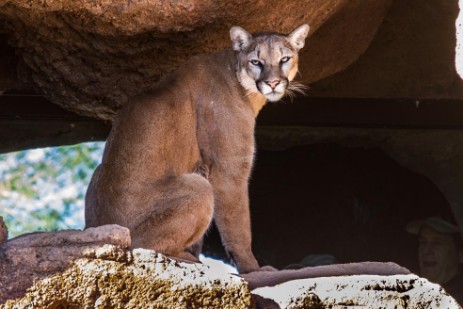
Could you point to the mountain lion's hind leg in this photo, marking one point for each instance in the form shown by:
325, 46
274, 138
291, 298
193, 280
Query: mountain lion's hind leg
180, 214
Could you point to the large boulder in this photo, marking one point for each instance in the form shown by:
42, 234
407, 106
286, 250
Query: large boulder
402, 291
90, 56
95, 268
34, 256
144, 279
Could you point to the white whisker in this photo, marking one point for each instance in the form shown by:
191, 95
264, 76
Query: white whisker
295, 88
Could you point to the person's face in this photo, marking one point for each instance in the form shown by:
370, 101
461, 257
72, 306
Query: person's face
438, 256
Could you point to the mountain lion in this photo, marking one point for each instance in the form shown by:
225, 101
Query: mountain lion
180, 153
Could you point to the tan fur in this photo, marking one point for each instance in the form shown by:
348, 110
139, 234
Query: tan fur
180, 154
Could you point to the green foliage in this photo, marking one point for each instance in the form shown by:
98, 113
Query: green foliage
44, 189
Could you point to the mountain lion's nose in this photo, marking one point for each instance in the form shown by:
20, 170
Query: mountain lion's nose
272, 83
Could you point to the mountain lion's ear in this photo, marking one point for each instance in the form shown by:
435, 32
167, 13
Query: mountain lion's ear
297, 37
240, 38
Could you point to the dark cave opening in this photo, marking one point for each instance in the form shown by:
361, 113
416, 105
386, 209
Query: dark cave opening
352, 203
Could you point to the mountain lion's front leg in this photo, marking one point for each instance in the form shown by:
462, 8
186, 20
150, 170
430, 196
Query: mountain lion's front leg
233, 221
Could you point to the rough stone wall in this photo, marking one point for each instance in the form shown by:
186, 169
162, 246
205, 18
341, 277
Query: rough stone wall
90, 56
412, 56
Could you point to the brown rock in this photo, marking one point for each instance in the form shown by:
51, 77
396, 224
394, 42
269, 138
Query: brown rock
94, 268
270, 278
147, 279
90, 56
411, 56
36, 255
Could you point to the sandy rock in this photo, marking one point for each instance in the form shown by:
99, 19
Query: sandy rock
36, 255
366, 291
95, 269
149, 280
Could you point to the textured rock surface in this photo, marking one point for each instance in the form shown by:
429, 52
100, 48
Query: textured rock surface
143, 280
403, 291
89, 56
95, 269
33, 256
411, 56
270, 278
121, 46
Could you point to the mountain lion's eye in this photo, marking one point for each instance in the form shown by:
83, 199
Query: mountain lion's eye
255, 62
284, 59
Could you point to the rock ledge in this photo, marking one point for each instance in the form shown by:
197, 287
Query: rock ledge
144, 279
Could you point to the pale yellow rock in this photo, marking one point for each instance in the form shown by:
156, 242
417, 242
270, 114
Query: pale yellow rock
149, 281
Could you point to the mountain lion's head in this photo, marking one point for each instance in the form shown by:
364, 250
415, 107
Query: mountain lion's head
267, 63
